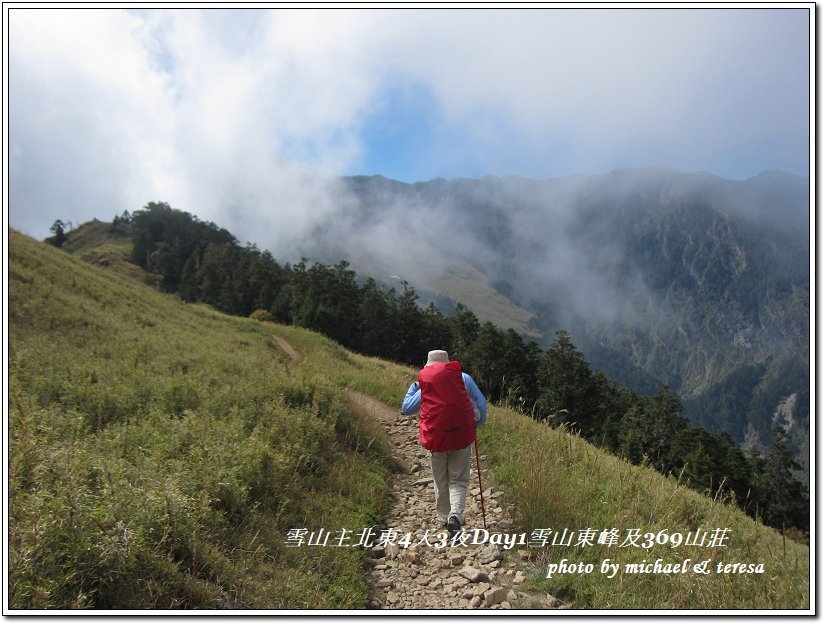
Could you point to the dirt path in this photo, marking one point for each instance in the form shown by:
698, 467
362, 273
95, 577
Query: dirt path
414, 567
284, 344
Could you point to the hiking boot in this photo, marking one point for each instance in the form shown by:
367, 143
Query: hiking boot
453, 524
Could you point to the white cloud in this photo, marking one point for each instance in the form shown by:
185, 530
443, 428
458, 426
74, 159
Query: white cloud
110, 109
84, 121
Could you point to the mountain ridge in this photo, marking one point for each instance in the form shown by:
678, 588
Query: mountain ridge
660, 276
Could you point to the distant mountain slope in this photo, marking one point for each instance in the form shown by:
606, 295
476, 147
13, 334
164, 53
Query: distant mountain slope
661, 277
384, 235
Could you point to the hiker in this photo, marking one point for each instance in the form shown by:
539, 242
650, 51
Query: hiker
451, 407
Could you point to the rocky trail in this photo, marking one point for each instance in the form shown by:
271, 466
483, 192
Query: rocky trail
422, 570
412, 563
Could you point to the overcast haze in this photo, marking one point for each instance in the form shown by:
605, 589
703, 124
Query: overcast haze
244, 116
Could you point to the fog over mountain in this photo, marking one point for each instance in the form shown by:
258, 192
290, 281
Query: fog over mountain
661, 277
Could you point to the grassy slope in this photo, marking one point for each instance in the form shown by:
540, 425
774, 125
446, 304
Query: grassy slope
106, 245
160, 452
560, 481
460, 282
466, 284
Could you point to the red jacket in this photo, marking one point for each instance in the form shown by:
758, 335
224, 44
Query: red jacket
447, 419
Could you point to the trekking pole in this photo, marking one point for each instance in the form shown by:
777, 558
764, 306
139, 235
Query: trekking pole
480, 483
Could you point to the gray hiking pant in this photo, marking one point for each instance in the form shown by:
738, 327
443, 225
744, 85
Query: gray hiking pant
450, 471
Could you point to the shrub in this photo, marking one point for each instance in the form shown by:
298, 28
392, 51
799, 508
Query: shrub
262, 315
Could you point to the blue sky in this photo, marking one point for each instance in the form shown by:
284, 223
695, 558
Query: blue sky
234, 115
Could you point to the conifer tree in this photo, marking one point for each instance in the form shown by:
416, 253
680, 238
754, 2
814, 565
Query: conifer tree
59, 234
565, 378
781, 496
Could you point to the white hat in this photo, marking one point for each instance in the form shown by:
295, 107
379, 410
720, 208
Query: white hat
437, 356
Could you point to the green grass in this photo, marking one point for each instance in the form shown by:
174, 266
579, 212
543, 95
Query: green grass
105, 245
159, 453
559, 481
